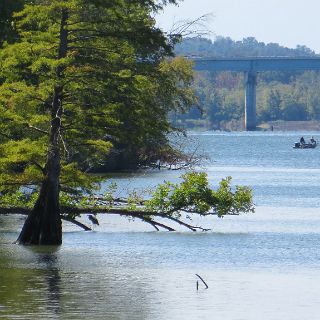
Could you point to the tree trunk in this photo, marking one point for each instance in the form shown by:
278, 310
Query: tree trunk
43, 225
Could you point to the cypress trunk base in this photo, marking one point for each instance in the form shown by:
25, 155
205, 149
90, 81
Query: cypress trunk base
43, 225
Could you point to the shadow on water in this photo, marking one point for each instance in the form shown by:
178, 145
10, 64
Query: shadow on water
47, 257
29, 282
67, 282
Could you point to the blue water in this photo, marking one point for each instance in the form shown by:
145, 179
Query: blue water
258, 266
279, 174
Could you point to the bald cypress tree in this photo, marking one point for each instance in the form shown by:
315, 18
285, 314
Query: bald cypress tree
59, 96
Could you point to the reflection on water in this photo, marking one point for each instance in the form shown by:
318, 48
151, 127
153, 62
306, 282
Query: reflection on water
43, 283
149, 275
46, 256
263, 266
28, 292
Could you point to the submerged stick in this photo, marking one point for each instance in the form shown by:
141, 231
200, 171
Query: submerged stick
202, 281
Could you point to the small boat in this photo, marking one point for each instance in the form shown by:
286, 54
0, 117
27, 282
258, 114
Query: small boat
299, 145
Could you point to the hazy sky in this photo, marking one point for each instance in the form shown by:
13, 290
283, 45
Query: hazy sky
287, 22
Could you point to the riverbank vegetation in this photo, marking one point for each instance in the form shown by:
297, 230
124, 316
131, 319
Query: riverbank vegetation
286, 96
83, 81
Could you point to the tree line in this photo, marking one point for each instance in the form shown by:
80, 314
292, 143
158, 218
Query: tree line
285, 96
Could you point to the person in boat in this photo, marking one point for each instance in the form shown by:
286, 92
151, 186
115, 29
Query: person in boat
312, 140
302, 141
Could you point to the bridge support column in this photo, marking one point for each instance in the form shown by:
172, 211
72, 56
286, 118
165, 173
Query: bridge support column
250, 101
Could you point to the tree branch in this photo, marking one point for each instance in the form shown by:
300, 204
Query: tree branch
196, 27
26, 211
66, 151
37, 129
78, 223
189, 226
142, 215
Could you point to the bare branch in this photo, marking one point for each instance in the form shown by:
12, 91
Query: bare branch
191, 227
156, 224
179, 157
66, 151
36, 129
152, 223
26, 211
79, 224
202, 281
142, 215
191, 28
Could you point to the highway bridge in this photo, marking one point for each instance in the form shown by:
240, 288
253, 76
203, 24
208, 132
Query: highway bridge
251, 67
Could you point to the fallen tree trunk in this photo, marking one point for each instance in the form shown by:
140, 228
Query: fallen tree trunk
147, 217
25, 211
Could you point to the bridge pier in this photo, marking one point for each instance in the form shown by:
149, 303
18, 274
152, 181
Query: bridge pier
250, 101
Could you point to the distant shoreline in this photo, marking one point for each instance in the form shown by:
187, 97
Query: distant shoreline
291, 125
237, 125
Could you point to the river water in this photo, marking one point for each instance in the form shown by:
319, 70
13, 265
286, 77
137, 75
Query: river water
264, 265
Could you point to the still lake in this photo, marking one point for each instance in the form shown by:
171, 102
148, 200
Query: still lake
262, 266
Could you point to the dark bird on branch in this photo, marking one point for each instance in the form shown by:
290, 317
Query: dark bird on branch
93, 219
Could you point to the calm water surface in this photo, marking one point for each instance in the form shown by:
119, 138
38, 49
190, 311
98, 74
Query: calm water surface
259, 266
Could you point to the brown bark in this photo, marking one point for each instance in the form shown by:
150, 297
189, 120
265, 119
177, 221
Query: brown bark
43, 225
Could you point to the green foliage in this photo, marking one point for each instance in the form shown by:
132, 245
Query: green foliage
194, 195
18, 199
172, 201
143, 120
116, 87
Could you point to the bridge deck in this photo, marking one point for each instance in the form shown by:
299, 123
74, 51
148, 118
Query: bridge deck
257, 64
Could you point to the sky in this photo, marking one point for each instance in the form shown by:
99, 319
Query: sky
287, 22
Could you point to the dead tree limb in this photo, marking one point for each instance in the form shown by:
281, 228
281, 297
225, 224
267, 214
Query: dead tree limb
142, 215
37, 129
26, 211
202, 281
77, 223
